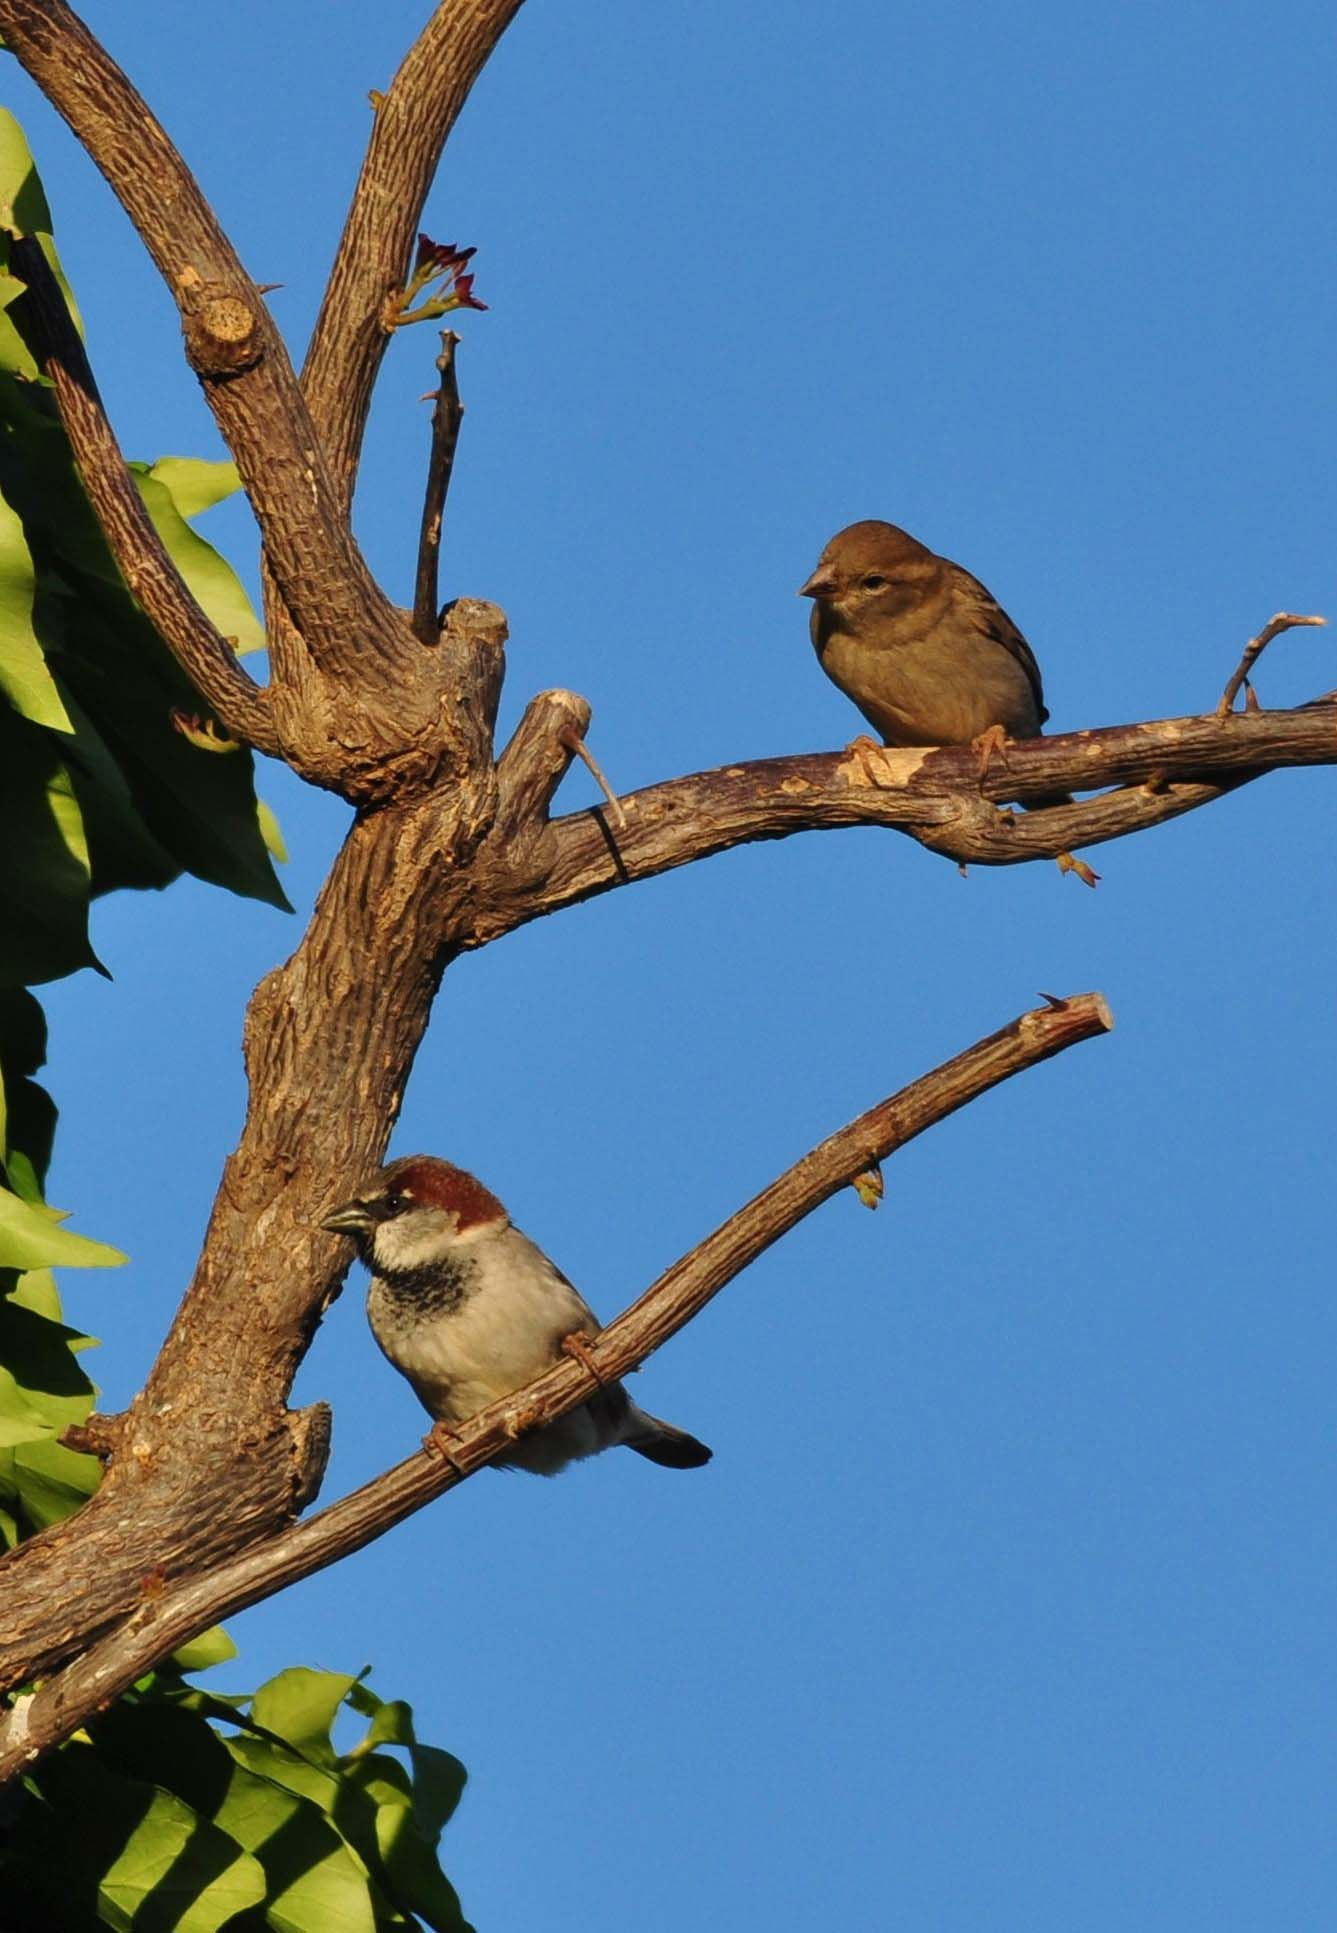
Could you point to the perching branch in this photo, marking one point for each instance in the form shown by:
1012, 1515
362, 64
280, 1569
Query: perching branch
413, 119
43, 1718
447, 415
1159, 770
199, 648
347, 623
1254, 649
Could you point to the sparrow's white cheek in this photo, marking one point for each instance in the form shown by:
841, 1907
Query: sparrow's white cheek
414, 1240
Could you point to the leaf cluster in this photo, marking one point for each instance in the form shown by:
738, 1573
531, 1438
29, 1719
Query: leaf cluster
186, 1810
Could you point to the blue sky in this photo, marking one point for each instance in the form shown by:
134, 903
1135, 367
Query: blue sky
1008, 1598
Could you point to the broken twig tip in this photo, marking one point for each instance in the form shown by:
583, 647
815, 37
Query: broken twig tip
1253, 650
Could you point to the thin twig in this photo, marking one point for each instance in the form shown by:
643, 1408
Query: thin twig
43, 1718
201, 650
447, 415
1254, 649
576, 744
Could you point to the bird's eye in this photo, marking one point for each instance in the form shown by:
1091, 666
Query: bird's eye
395, 1202
875, 583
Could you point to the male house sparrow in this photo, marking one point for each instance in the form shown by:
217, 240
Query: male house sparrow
469, 1309
928, 656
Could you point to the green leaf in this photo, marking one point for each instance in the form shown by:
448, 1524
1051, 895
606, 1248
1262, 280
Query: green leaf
121, 849
216, 587
40, 1480
212, 1647
23, 211
24, 678
31, 1239
44, 1483
375, 1812
153, 1860
196, 484
36, 1290
44, 867
271, 832
116, 676
300, 1705
439, 1779
272, 1758
42, 1388
23, 207
346, 1844
312, 1881
27, 1112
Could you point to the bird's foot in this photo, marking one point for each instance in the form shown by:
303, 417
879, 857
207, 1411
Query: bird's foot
1066, 863
442, 1441
867, 756
578, 1345
992, 743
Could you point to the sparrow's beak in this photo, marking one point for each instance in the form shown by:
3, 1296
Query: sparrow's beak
354, 1218
820, 584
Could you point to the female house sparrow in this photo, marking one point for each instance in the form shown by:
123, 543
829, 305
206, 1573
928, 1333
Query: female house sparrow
921, 647
469, 1309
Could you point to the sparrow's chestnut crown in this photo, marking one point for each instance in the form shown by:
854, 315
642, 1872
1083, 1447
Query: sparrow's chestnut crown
416, 1181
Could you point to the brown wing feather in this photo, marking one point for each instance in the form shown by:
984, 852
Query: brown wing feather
995, 623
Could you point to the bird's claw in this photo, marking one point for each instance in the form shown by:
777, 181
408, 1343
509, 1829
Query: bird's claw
1067, 863
867, 756
442, 1441
578, 1346
991, 743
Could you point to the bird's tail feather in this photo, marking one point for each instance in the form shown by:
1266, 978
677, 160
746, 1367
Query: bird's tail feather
662, 1443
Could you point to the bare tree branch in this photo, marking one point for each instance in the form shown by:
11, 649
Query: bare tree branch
345, 620
203, 653
447, 415
1160, 770
43, 1718
1254, 649
413, 120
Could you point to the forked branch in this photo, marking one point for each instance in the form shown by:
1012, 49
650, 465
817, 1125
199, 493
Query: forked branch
41, 1719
